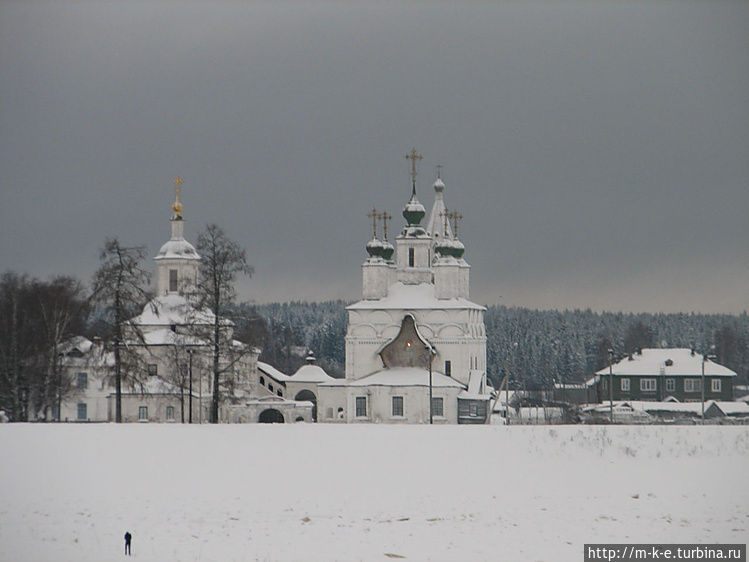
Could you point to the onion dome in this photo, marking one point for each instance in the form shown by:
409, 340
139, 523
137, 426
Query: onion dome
439, 186
458, 248
444, 247
375, 248
387, 251
414, 211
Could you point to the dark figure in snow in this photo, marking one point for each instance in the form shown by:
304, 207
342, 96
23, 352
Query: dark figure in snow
128, 537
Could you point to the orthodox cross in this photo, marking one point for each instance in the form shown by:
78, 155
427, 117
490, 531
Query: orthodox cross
414, 157
385, 218
177, 207
446, 215
374, 215
439, 171
455, 216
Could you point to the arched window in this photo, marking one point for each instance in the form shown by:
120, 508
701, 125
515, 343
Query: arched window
262, 380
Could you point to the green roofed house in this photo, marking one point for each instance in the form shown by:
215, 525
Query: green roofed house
660, 374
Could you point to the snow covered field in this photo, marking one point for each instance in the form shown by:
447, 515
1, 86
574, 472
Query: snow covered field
335, 492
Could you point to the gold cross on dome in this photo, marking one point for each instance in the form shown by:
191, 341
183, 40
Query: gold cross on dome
385, 218
414, 157
374, 215
456, 217
177, 206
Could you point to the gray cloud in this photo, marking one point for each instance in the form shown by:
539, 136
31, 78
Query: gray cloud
598, 151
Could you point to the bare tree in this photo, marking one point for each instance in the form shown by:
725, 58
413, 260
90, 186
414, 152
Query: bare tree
120, 284
62, 308
222, 260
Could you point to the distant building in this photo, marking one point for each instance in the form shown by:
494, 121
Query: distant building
167, 375
658, 374
414, 333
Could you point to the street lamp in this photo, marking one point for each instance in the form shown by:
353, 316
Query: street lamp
611, 385
189, 399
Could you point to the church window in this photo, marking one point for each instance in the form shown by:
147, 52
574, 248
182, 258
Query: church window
143, 413
270, 387
170, 413
448, 368
82, 411
82, 381
397, 406
411, 257
262, 380
172, 280
153, 369
438, 407
361, 406
279, 392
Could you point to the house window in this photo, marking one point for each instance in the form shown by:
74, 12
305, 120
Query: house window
153, 369
715, 385
692, 385
625, 385
361, 406
647, 385
143, 413
670, 385
438, 407
397, 406
411, 257
473, 410
448, 368
172, 280
82, 382
170, 413
82, 411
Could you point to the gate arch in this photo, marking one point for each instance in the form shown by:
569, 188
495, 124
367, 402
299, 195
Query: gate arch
271, 415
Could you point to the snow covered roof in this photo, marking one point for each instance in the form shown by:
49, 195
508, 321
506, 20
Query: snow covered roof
669, 362
272, 372
174, 309
733, 408
165, 336
177, 248
401, 376
311, 373
413, 297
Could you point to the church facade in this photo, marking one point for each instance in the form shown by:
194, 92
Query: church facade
415, 343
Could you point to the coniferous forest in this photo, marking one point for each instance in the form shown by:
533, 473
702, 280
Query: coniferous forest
534, 347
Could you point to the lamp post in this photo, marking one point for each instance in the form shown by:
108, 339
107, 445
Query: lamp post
611, 385
702, 385
431, 405
189, 399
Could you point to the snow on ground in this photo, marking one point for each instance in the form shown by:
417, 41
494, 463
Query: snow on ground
353, 492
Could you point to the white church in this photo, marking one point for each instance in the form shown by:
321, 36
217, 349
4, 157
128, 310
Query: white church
415, 343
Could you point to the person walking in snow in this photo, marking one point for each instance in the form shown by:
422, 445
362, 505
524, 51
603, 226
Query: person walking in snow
128, 538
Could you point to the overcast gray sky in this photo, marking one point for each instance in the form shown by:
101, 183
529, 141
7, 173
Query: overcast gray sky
598, 151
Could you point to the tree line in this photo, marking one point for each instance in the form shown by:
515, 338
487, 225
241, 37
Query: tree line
533, 348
